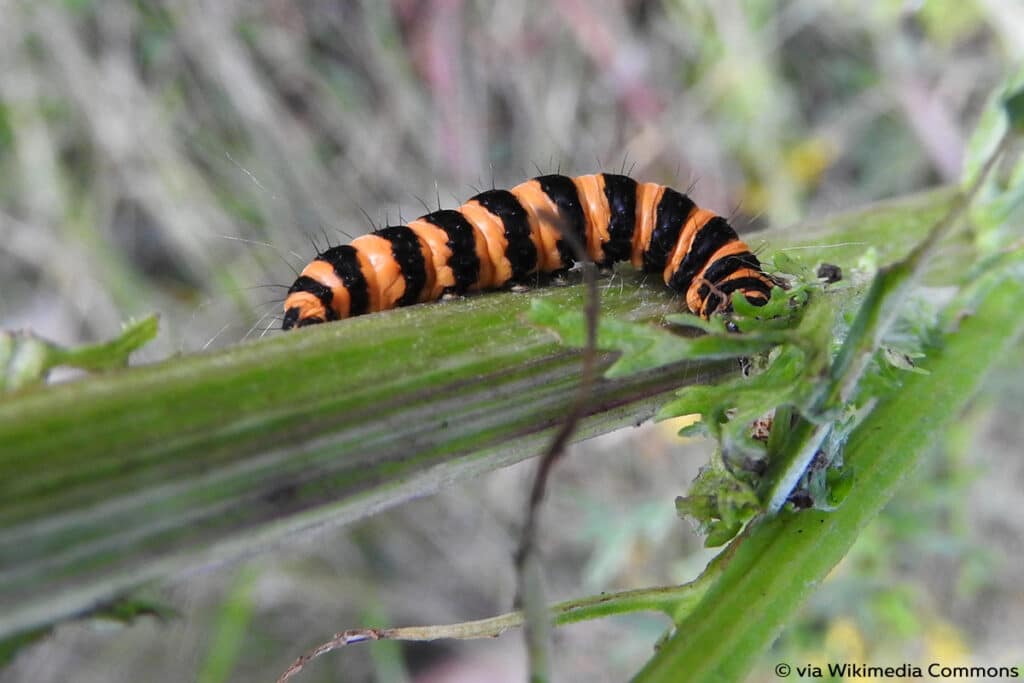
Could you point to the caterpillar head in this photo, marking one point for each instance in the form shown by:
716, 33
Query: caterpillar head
308, 303
331, 287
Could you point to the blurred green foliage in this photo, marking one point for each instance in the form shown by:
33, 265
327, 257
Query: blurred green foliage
228, 637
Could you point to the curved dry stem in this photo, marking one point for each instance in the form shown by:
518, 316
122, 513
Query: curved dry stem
468, 630
528, 569
673, 601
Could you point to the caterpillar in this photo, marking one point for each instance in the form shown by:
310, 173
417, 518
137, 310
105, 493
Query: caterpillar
502, 236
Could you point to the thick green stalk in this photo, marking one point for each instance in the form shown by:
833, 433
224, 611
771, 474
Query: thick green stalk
124, 477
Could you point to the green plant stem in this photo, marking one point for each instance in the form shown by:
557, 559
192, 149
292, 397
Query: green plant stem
779, 560
120, 478
881, 306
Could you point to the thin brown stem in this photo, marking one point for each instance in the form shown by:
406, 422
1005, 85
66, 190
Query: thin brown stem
528, 572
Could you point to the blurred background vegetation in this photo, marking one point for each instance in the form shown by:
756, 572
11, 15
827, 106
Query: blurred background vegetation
178, 156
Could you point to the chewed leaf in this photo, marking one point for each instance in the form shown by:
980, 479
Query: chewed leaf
780, 312
719, 503
784, 263
114, 353
646, 346
745, 397
25, 358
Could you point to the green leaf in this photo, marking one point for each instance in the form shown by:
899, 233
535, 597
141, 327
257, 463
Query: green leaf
26, 359
775, 564
720, 503
645, 346
112, 354
748, 398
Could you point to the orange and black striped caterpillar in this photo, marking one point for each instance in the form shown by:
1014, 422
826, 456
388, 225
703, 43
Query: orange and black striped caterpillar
503, 236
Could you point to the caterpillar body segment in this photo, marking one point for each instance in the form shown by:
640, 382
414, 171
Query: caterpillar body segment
503, 236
